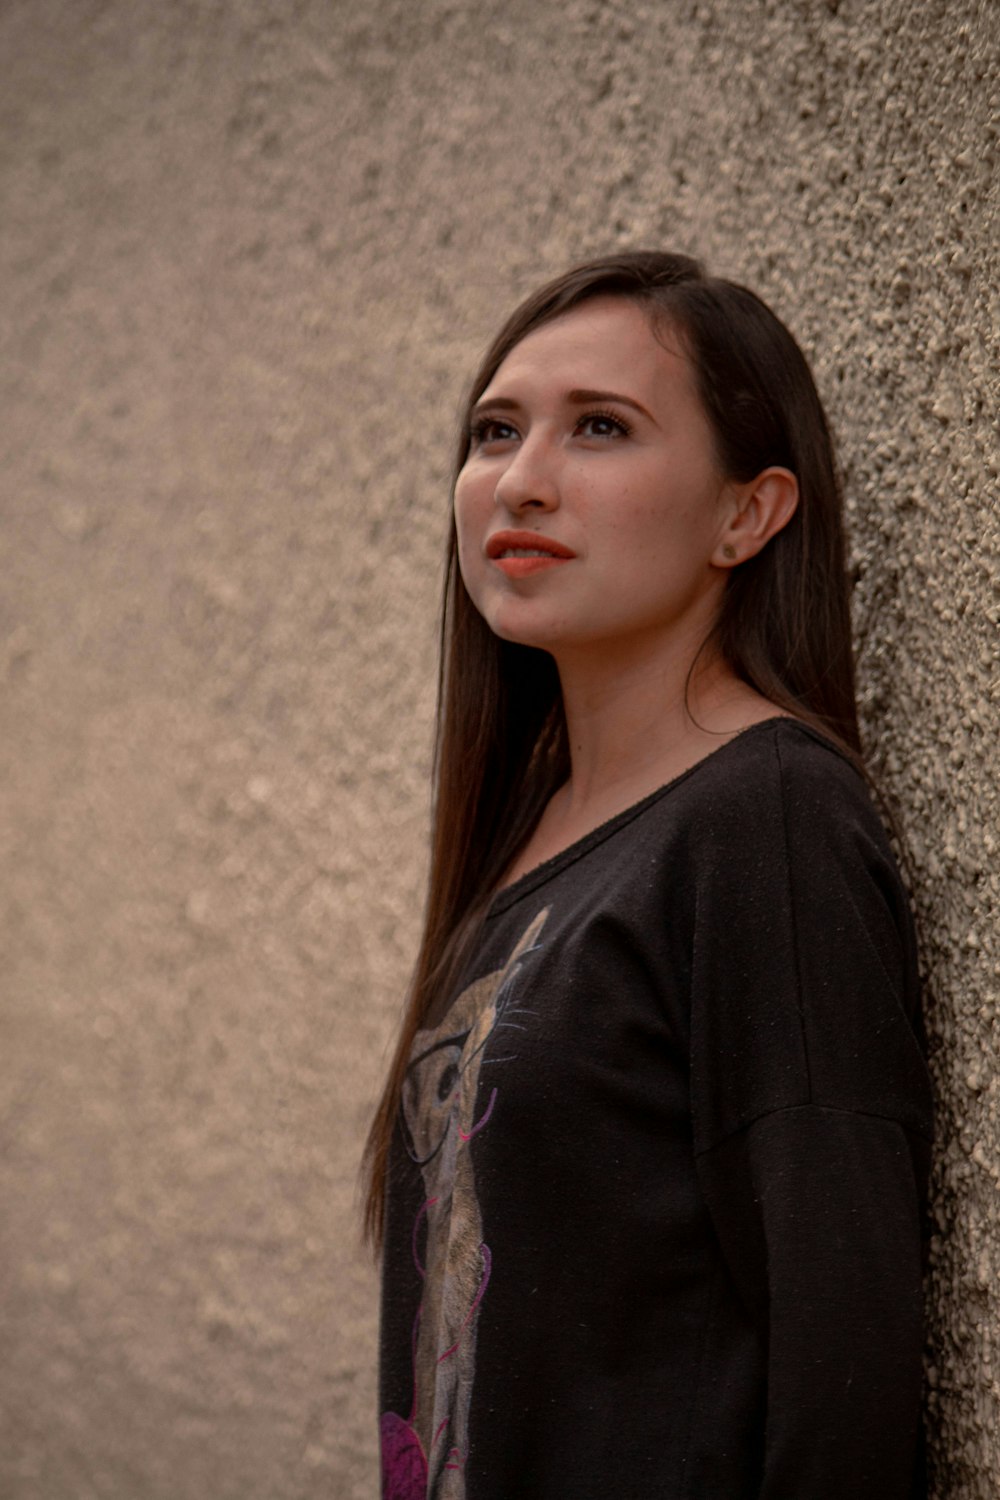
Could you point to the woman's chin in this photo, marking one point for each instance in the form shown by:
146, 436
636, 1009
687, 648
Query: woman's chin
525, 628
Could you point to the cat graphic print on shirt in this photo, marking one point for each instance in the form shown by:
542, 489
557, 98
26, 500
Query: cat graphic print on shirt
423, 1456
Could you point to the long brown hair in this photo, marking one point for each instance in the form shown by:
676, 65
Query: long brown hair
783, 627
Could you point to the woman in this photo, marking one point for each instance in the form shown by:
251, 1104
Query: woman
650, 1160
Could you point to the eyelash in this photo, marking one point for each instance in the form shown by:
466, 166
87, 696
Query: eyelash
479, 429
600, 415
481, 426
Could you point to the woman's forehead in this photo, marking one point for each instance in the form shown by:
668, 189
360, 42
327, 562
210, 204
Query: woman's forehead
605, 342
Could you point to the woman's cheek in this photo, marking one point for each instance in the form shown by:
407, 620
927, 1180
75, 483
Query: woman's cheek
471, 561
473, 512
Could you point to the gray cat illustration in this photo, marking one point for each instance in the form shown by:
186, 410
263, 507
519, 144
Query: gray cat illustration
425, 1457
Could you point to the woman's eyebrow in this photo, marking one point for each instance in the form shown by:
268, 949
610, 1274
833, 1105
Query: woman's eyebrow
575, 398
495, 403
584, 398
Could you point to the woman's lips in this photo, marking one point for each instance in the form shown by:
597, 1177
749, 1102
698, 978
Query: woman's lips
519, 565
520, 553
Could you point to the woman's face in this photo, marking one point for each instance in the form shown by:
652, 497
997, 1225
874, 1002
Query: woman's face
590, 446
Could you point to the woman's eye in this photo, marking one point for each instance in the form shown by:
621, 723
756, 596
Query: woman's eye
602, 424
492, 430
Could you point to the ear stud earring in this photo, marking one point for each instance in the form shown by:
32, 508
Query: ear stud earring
728, 550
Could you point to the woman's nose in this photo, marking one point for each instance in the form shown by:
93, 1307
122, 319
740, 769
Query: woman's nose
529, 481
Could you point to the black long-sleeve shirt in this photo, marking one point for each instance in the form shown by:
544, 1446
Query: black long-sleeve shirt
655, 1199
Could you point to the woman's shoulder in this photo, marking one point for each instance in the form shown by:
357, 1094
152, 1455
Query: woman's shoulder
783, 741
784, 792
775, 789
780, 759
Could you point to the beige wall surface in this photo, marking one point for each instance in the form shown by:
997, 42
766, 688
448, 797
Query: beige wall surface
249, 251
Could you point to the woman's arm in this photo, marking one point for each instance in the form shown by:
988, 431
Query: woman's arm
818, 1214
812, 1117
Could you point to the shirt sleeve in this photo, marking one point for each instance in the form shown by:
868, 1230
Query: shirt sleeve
811, 1109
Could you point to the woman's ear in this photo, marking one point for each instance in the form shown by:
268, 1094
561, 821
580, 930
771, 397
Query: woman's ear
758, 511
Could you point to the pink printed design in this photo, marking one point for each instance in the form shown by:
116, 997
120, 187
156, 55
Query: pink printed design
424, 1458
404, 1467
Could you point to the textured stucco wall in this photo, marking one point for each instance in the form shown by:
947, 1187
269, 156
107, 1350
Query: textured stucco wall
249, 251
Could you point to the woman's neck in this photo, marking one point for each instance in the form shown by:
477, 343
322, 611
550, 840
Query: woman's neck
632, 727
637, 723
